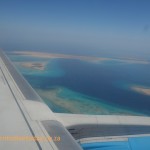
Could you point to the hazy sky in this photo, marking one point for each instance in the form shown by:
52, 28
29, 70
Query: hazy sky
76, 26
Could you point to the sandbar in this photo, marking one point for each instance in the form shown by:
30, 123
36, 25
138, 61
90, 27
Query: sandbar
142, 90
87, 58
55, 55
33, 65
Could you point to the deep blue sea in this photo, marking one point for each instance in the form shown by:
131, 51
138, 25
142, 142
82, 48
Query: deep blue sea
105, 82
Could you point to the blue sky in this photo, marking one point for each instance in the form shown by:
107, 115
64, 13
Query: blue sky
103, 27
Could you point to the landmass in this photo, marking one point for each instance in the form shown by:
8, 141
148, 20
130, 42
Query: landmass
142, 90
86, 58
52, 55
34, 65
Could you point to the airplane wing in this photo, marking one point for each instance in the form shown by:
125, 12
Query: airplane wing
26, 122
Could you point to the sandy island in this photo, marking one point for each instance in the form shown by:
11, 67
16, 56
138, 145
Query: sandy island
34, 65
50, 55
142, 90
87, 58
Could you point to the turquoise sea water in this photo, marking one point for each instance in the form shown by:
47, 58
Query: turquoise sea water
77, 86
135, 143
